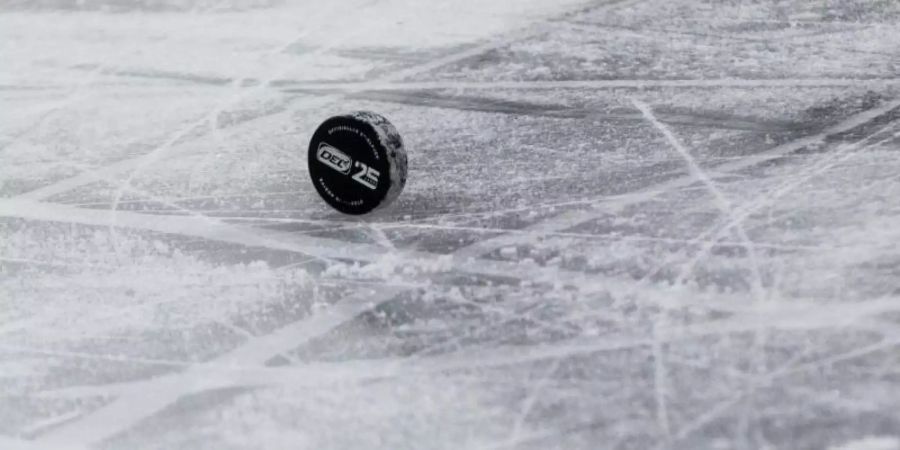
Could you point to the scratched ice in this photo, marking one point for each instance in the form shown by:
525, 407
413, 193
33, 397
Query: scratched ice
629, 224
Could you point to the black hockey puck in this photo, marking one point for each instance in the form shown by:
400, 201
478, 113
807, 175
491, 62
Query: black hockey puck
357, 162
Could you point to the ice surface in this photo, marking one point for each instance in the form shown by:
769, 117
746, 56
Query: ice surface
638, 224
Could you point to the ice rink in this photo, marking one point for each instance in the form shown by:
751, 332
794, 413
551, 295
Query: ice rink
629, 224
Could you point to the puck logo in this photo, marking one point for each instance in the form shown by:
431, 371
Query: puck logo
334, 158
367, 176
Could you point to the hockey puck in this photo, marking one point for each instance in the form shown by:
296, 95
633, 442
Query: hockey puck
357, 162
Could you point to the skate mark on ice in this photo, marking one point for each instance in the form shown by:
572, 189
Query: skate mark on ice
333, 225
74, 95
183, 77
321, 248
530, 31
710, 236
134, 405
110, 170
725, 207
713, 234
723, 204
381, 85
135, 165
175, 200
515, 435
194, 226
843, 153
700, 119
614, 204
661, 391
215, 375
212, 116
97, 356
789, 368
873, 308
